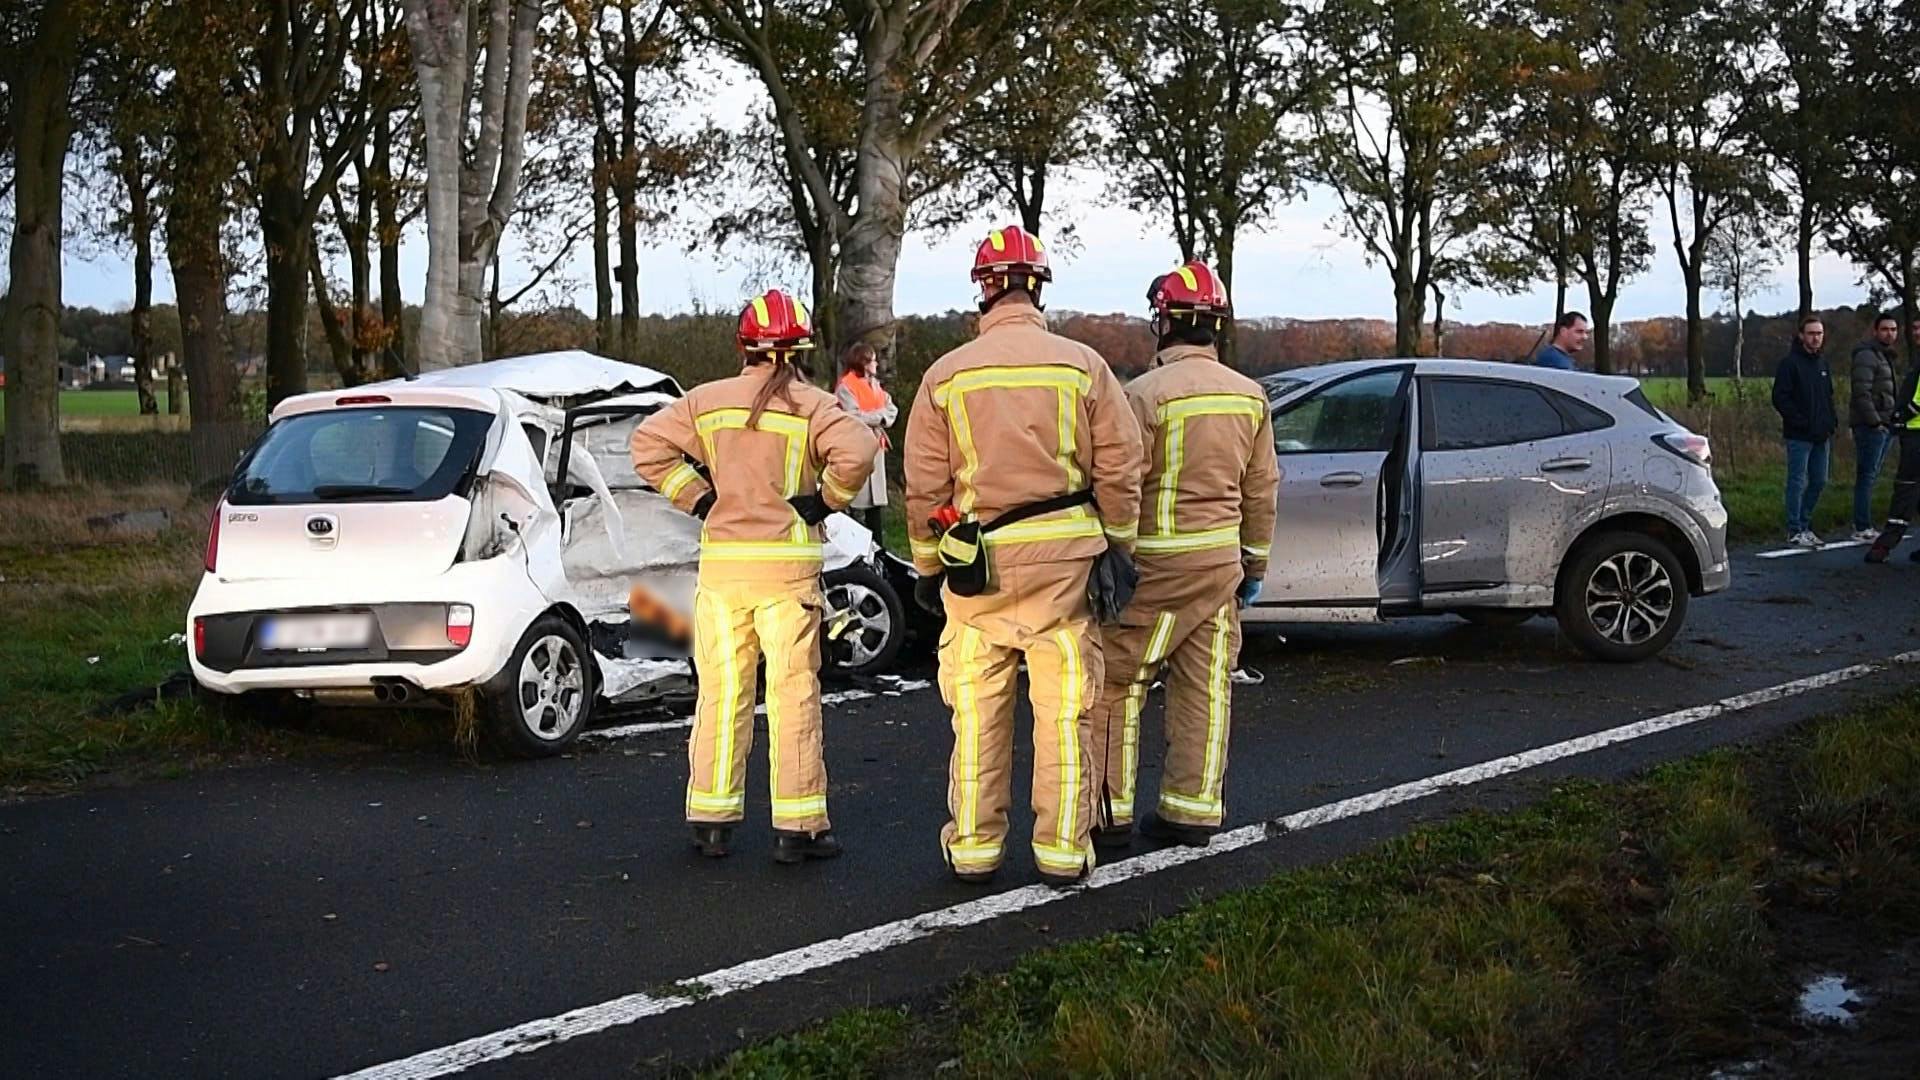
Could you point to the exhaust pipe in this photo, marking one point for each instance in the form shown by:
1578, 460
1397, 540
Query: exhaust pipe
395, 692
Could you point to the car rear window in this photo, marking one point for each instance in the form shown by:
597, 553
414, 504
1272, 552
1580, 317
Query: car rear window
1638, 396
1467, 414
405, 454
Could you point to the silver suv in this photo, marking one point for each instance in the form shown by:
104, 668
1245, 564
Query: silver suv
1490, 491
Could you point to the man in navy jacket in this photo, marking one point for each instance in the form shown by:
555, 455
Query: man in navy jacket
1803, 396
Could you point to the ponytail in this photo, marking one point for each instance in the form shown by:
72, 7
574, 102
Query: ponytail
779, 383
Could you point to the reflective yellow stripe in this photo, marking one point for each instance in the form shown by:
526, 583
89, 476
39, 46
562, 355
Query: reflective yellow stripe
748, 551
963, 494
1042, 376
1186, 275
966, 709
840, 495
1067, 725
778, 423
760, 311
1214, 405
928, 550
1219, 704
677, 480
803, 807
1157, 645
1126, 534
1069, 417
998, 239
716, 804
1186, 805
1025, 532
1063, 857
974, 856
1225, 536
1256, 551
1174, 416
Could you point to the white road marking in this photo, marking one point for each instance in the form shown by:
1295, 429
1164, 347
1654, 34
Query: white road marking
536, 1034
626, 731
1788, 553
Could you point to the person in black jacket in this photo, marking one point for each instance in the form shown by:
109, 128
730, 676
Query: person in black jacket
1906, 482
1803, 396
1870, 411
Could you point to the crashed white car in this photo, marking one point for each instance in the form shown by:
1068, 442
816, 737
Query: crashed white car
479, 530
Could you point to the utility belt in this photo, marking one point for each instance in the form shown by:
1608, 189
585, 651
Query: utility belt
963, 557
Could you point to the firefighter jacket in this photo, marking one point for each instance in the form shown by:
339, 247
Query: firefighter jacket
1211, 476
804, 443
1013, 417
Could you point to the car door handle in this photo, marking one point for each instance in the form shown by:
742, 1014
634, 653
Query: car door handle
1342, 480
1567, 464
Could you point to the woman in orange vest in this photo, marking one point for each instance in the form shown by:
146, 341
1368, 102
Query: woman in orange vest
861, 395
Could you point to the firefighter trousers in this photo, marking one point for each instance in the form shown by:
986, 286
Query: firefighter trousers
1038, 611
1906, 492
1185, 619
734, 625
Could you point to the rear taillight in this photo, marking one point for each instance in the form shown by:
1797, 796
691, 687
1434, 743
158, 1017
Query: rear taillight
213, 536
200, 638
364, 399
1694, 448
459, 625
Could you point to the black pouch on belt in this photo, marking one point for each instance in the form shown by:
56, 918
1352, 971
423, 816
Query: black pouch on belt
964, 556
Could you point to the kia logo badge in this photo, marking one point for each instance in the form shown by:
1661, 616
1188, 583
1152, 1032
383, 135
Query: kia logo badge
320, 527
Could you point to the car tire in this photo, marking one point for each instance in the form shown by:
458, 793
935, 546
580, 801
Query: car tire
872, 642
1612, 592
543, 699
1495, 618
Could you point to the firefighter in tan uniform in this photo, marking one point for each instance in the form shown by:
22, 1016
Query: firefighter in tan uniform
1206, 523
780, 455
1014, 419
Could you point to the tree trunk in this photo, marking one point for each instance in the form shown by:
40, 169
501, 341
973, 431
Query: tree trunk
1739, 328
387, 206
1224, 255
1803, 252
603, 333
331, 324
176, 381
140, 224
287, 240
42, 127
1406, 313
438, 34
629, 269
870, 254
1602, 328
1033, 203
200, 289
1696, 336
1439, 321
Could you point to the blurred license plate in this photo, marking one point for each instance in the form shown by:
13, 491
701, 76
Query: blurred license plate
291, 632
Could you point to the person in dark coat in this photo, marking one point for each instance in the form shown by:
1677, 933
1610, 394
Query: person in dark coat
1803, 396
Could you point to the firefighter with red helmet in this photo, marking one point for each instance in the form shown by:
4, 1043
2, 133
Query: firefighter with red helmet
778, 456
1206, 524
1020, 446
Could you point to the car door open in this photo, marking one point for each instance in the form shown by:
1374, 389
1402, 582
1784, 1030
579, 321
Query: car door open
1334, 445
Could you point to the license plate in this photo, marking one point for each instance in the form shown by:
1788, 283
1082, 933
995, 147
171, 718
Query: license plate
315, 632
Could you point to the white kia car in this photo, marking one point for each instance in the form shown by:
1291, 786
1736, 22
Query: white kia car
478, 533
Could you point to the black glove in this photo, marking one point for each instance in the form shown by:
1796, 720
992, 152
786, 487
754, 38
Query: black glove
703, 506
926, 593
812, 508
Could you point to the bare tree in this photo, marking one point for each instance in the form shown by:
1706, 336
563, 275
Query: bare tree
1741, 259
475, 79
38, 57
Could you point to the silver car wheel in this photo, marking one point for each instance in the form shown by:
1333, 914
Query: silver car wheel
552, 689
869, 623
1629, 597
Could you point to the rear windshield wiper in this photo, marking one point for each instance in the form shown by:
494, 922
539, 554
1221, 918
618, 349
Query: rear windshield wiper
356, 491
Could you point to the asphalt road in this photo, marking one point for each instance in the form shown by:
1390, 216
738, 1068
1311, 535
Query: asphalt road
317, 918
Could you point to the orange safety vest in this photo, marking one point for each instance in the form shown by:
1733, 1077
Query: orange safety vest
869, 397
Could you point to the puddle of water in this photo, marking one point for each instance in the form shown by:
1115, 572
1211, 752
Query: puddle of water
1741, 1070
1827, 999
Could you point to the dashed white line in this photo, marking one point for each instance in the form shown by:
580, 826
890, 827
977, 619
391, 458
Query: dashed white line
838, 697
536, 1034
1788, 553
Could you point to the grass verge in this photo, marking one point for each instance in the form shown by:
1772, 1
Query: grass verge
1646, 926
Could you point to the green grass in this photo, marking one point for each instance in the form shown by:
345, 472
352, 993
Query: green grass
1642, 922
95, 403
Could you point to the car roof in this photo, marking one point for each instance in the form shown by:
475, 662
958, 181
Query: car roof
1575, 381
570, 373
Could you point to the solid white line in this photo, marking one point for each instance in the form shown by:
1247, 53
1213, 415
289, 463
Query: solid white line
536, 1034
838, 697
1788, 553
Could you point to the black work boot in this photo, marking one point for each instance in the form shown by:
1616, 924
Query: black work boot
798, 847
1113, 836
712, 840
1173, 832
1878, 554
